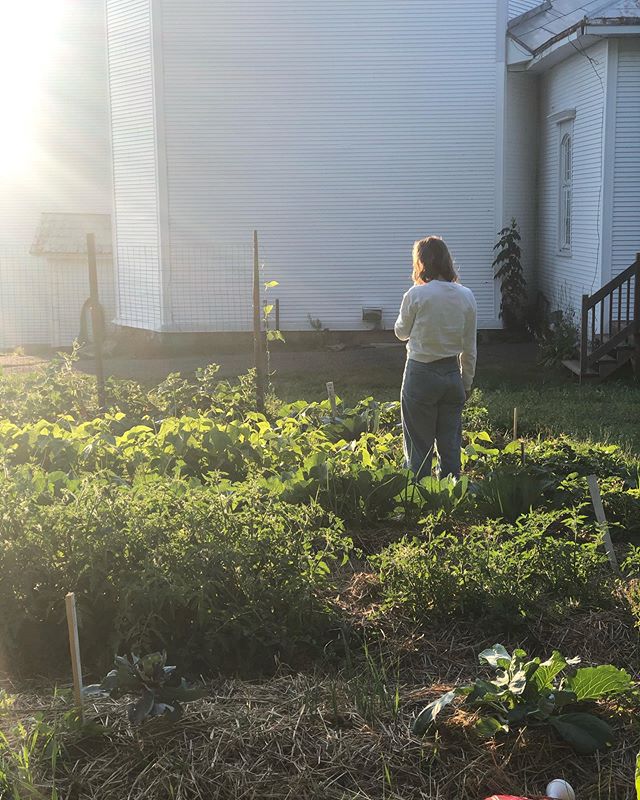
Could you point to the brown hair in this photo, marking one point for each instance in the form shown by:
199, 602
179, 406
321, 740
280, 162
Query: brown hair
432, 260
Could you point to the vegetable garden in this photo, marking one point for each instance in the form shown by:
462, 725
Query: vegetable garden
334, 609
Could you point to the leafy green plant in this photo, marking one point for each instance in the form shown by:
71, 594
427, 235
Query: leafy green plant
509, 493
442, 495
558, 339
226, 581
160, 691
497, 571
508, 270
526, 691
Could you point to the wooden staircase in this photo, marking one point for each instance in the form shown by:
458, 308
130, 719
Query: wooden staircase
610, 328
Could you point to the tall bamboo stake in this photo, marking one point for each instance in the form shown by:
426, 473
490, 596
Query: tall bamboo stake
257, 328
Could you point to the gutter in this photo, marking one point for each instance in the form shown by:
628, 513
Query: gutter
598, 26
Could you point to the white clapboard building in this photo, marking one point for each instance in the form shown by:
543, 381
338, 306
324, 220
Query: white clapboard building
342, 130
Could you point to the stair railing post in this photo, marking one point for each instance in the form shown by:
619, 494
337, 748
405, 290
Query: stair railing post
584, 334
636, 318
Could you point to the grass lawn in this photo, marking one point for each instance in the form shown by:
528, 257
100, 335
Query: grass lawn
549, 401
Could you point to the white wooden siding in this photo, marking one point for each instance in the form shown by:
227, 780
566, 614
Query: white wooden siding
521, 166
517, 7
133, 133
342, 132
626, 182
577, 83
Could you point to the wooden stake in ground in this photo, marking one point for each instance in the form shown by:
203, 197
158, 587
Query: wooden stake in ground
515, 423
74, 648
97, 321
331, 392
258, 355
596, 499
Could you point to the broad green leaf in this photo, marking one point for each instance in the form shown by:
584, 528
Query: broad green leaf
271, 284
544, 676
488, 727
586, 733
591, 683
141, 709
495, 656
638, 776
484, 691
429, 713
518, 683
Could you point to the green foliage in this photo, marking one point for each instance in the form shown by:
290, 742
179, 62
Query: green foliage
526, 691
224, 583
558, 339
498, 571
508, 270
160, 691
509, 493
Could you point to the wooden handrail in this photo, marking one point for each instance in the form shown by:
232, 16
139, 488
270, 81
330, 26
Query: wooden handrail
613, 284
631, 278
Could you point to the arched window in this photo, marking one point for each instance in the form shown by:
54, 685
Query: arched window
566, 191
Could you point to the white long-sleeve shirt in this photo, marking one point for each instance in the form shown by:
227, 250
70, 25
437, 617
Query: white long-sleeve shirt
438, 320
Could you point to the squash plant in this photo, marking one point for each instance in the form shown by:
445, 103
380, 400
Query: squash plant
527, 691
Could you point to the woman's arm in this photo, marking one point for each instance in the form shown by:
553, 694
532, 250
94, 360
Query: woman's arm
405, 320
470, 346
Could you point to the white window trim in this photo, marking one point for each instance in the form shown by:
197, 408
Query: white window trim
565, 187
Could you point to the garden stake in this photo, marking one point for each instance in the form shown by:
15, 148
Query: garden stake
332, 398
515, 423
74, 648
596, 499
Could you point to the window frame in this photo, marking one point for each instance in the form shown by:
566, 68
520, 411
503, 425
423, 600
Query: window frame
565, 187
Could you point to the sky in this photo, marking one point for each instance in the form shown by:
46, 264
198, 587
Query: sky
29, 35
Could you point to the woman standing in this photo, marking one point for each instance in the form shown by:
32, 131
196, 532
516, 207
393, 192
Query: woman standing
438, 320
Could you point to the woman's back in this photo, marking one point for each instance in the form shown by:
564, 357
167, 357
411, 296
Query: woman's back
439, 320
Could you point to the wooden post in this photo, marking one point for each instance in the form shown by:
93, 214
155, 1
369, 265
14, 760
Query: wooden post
515, 423
584, 335
257, 328
97, 321
74, 649
636, 319
331, 392
596, 499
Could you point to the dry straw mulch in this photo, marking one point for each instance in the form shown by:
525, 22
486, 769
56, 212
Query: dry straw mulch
306, 736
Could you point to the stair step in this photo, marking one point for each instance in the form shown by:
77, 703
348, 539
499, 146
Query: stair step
574, 365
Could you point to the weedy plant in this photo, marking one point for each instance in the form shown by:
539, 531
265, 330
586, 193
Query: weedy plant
159, 690
526, 691
508, 270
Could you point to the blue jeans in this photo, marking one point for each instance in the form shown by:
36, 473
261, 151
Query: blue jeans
432, 400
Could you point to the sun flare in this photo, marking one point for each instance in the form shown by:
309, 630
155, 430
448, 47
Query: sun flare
28, 35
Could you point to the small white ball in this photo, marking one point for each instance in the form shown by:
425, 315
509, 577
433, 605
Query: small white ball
560, 790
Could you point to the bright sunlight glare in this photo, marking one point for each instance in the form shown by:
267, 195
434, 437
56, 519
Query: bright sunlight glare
28, 34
